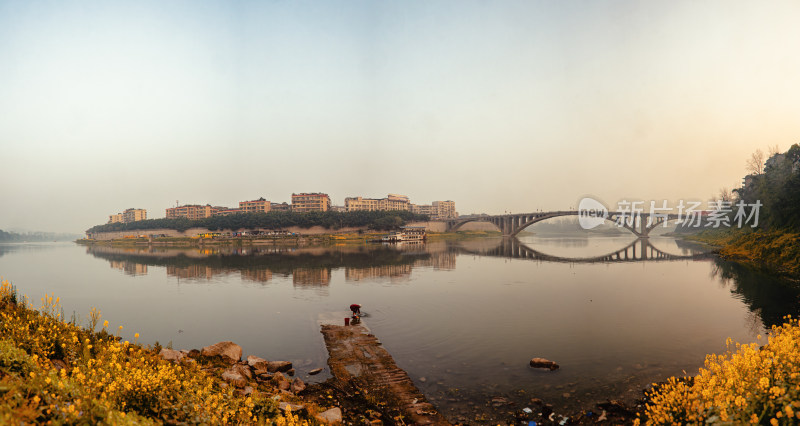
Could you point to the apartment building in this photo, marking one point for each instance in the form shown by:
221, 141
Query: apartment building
280, 207
437, 209
191, 211
423, 209
134, 215
128, 216
311, 202
445, 209
256, 206
391, 202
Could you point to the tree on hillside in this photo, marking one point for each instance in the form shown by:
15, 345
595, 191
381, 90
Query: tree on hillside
755, 165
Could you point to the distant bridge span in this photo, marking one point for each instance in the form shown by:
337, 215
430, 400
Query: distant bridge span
512, 224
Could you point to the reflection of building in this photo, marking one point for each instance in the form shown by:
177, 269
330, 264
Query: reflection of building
391, 202
129, 268
260, 275
261, 206
311, 276
437, 209
191, 271
311, 202
128, 216
391, 271
190, 211
440, 260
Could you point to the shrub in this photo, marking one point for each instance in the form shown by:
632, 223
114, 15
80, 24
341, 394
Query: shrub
748, 384
55, 371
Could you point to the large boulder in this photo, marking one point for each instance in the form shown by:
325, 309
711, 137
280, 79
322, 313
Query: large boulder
543, 363
244, 370
334, 415
171, 355
234, 377
227, 350
298, 385
259, 365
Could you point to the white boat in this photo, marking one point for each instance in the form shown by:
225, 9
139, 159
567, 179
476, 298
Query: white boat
407, 234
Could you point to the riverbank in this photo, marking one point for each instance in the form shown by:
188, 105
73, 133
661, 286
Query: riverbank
774, 251
53, 370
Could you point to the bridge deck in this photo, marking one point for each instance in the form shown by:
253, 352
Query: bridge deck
357, 358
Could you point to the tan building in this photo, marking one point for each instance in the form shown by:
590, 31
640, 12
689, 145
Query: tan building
437, 209
256, 206
280, 207
310, 202
391, 202
134, 215
445, 209
190, 211
225, 212
115, 218
128, 216
423, 209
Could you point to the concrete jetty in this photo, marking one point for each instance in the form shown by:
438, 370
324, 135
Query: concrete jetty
357, 358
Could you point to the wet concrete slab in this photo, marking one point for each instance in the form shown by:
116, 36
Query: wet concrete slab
357, 358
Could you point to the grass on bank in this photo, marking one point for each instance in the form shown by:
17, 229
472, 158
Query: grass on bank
774, 250
54, 371
750, 384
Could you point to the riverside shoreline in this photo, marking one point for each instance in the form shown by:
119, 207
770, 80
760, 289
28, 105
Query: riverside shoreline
285, 240
772, 251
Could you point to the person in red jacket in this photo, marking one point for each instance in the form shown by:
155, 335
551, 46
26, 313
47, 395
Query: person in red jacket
356, 308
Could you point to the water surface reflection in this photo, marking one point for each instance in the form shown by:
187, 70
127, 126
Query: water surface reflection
461, 317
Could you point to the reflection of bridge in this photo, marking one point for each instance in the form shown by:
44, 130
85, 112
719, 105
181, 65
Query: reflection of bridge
638, 250
511, 224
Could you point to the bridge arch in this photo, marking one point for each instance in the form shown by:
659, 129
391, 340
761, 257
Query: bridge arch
513, 224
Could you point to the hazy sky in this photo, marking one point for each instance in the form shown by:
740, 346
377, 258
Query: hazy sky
497, 105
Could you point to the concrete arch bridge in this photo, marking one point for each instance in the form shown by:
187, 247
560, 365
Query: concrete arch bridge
639, 224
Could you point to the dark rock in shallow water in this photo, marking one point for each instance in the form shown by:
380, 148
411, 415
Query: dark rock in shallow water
226, 350
275, 366
543, 363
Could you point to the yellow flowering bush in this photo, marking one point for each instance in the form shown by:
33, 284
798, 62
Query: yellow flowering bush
748, 384
54, 371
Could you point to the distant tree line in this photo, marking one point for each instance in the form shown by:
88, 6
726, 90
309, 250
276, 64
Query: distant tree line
379, 220
776, 185
35, 236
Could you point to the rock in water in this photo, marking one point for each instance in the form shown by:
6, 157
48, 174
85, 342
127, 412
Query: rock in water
333, 415
543, 363
314, 371
275, 366
228, 350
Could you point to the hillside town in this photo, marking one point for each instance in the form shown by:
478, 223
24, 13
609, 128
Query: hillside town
301, 203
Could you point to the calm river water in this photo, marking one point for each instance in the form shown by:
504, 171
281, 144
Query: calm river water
463, 318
